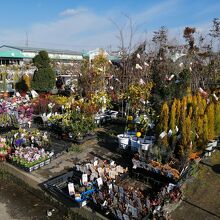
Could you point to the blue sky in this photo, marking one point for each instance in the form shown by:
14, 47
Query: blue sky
86, 24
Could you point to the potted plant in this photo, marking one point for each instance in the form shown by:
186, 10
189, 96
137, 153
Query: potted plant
22, 86
30, 158
4, 75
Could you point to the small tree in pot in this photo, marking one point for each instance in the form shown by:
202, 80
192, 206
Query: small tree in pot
44, 77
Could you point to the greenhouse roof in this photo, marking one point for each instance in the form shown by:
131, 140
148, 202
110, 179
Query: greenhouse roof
32, 49
11, 54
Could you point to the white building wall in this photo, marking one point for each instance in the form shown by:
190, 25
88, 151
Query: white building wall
31, 55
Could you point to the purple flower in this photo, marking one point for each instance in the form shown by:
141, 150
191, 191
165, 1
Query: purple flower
19, 142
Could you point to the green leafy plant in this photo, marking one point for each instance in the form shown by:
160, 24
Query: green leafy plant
44, 77
74, 148
4, 75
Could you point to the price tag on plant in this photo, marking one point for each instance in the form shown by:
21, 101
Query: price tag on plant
95, 163
112, 174
84, 203
84, 179
100, 182
112, 163
119, 169
110, 186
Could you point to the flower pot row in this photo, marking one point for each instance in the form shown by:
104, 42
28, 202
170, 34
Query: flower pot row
105, 117
128, 140
30, 168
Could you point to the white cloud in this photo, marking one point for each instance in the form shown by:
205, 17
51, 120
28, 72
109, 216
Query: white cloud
156, 11
89, 30
73, 32
72, 11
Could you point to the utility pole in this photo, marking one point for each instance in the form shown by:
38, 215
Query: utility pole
27, 41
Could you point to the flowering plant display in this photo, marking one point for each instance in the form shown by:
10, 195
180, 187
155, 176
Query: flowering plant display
7, 121
33, 137
40, 105
74, 123
24, 113
20, 107
29, 156
4, 148
101, 99
52, 103
59, 100
86, 107
137, 96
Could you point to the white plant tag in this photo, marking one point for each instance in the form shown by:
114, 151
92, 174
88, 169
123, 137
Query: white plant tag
84, 179
71, 189
112, 163
95, 163
100, 182
84, 203
163, 134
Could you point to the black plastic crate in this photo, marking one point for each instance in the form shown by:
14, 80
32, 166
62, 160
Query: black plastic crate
58, 187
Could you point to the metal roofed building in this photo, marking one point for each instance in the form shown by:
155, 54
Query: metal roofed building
93, 53
19, 55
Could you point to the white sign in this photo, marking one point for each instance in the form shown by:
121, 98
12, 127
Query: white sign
170, 133
71, 189
18, 94
110, 186
163, 134
84, 179
34, 94
112, 163
84, 203
100, 182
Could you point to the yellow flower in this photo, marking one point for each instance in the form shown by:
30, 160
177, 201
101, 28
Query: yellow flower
130, 118
138, 134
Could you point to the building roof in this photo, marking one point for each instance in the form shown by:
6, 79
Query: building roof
91, 54
11, 54
33, 49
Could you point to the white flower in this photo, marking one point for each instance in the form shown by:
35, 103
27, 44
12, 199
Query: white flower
138, 66
181, 65
141, 82
146, 64
171, 77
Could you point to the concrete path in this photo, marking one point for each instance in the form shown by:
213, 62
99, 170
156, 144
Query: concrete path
18, 204
4, 213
